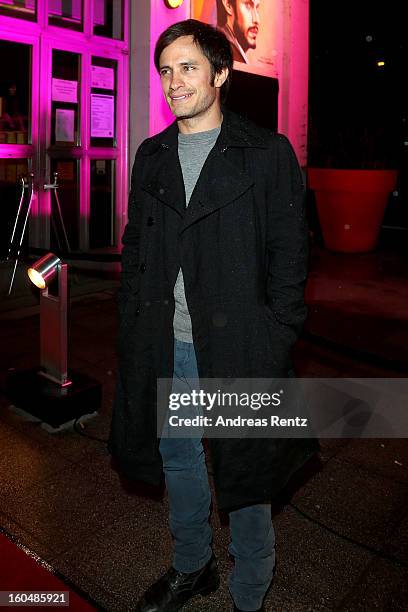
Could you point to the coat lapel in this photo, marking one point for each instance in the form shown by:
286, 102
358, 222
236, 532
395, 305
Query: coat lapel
164, 179
219, 184
220, 181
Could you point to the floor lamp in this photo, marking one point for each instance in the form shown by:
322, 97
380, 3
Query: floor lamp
50, 392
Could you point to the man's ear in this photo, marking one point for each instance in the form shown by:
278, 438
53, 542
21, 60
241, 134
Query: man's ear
221, 77
228, 7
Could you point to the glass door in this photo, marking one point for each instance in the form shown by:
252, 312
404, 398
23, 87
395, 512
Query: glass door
63, 119
84, 139
58, 177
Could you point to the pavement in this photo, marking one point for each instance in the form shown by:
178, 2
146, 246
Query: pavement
341, 525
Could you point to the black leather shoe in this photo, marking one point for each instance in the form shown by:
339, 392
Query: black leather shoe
174, 589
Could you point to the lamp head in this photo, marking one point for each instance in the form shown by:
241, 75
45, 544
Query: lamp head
173, 3
44, 270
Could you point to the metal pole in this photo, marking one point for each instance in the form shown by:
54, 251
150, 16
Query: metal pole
54, 186
22, 234
24, 185
53, 331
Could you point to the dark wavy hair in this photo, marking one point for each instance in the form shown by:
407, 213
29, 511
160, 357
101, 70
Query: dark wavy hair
213, 43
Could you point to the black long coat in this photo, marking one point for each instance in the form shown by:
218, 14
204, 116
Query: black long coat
242, 246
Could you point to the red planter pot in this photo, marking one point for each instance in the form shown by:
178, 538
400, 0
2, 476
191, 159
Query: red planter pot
351, 205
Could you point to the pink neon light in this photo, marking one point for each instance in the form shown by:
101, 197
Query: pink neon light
293, 107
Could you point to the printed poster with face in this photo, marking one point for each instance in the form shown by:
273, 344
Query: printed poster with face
253, 27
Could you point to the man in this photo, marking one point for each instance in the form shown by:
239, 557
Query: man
213, 270
239, 21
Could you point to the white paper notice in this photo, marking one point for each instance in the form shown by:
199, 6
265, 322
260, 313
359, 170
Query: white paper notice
64, 91
64, 125
102, 116
101, 77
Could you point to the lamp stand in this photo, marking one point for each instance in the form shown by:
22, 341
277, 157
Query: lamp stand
53, 331
50, 393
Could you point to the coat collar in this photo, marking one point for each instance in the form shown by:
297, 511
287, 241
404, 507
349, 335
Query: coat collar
220, 182
235, 132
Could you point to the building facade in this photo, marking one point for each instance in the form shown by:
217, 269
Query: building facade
78, 93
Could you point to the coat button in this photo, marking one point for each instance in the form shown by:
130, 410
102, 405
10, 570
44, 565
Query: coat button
162, 191
150, 221
219, 319
142, 267
137, 312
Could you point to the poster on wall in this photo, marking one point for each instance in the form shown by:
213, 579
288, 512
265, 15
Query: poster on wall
64, 125
64, 90
102, 78
102, 116
251, 26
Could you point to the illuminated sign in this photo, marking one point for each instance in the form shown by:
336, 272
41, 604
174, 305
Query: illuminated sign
173, 3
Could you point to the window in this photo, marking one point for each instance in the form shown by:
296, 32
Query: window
14, 92
102, 217
23, 9
103, 102
108, 18
66, 14
65, 98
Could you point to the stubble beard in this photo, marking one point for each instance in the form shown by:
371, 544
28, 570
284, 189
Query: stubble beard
196, 111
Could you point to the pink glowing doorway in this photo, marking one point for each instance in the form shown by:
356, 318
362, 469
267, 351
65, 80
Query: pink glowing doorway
67, 113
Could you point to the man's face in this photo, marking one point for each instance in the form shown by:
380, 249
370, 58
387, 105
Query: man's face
185, 75
246, 22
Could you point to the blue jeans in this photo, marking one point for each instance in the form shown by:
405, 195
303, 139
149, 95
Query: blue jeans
252, 534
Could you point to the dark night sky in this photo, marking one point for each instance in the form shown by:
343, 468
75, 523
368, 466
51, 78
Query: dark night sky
347, 91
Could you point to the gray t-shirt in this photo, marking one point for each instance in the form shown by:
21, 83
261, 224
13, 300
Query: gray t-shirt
193, 150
